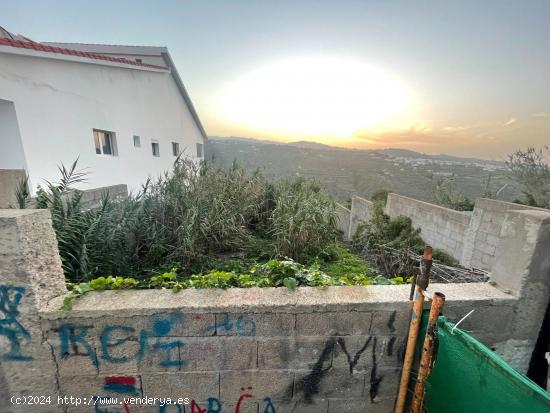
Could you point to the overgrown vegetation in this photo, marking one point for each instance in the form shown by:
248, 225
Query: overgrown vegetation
351, 270
383, 238
445, 195
531, 169
198, 227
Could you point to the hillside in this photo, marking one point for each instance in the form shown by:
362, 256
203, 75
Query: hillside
347, 172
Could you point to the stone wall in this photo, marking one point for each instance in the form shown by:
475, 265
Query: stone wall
335, 349
441, 227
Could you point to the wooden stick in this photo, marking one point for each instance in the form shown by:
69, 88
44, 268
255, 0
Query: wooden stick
438, 299
414, 327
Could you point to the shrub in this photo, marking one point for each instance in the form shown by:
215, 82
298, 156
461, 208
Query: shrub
380, 195
185, 218
303, 221
446, 196
531, 169
396, 233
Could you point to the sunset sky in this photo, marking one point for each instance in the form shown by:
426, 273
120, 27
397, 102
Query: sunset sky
465, 78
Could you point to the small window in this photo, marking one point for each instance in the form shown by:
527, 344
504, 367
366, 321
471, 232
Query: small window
105, 142
199, 150
175, 148
155, 148
137, 141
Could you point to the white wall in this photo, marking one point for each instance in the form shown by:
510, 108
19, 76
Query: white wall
11, 149
59, 103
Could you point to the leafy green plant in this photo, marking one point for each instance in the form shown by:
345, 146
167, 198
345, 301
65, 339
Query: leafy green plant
97, 284
22, 194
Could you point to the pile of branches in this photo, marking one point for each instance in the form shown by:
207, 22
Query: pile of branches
405, 263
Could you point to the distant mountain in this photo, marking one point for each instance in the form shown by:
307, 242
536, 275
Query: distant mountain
346, 172
393, 152
311, 145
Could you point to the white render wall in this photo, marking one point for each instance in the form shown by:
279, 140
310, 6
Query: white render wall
11, 150
59, 103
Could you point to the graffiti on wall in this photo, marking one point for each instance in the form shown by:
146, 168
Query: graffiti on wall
128, 388
10, 326
75, 339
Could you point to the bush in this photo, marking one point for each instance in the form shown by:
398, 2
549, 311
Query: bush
444, 195
303, 221
395, 233
531, 169
187, 217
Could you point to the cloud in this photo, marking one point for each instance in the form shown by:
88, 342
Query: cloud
454, 129
540, 115
511, 121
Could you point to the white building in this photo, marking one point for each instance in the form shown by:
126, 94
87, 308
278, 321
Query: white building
122, 110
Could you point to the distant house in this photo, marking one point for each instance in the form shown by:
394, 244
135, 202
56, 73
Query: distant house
122, 110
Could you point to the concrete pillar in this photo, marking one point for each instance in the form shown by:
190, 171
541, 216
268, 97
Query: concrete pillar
522, 267
30, 276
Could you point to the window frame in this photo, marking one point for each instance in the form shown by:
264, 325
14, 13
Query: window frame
100, 136
153, 143
138, 141
200, 148
176, 149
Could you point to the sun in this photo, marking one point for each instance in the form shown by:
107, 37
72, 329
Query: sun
317, 96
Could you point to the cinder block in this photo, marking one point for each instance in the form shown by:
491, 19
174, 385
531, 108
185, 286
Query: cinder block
355, 353
390, 323
323, 324
484, 321
331, 383
276, 384
163, 354
350, 406
295, 353
265, 324
384, 387
195, 385
89, 386
219, 353
315, 406
247, 406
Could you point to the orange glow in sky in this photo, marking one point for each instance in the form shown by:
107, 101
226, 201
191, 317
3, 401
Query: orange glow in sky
329, 98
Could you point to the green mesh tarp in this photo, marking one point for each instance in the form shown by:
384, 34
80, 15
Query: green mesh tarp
469, 377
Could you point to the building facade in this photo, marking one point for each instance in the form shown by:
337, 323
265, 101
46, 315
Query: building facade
122, 111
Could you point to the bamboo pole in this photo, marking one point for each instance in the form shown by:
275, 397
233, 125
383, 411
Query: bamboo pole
414, 327
438, 299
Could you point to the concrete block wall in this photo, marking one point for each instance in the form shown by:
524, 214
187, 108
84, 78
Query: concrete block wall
483, 235
91, 198
335, 349
441, 227
342, 219
361, 210
9, 182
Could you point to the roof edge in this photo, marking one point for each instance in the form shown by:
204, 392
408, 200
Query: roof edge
181, 87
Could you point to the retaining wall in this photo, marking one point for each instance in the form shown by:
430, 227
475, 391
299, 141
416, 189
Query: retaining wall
472, 238
361, 210
483, 235
342, 219
441, 227
335, 349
